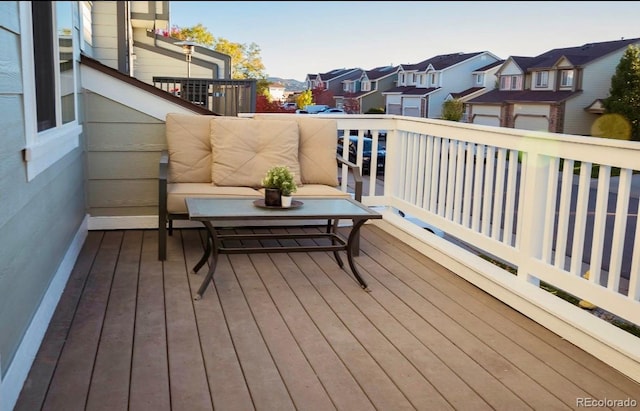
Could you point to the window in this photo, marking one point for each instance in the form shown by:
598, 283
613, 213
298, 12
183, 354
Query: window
509, 82
49, 82
401, 79
542, 79
566, 78
366, 86
433, 79
479, 79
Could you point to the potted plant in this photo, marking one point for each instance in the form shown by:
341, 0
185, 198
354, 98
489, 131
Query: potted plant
279, 184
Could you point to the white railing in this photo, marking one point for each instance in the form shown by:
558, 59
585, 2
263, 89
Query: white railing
560, 209
551, 206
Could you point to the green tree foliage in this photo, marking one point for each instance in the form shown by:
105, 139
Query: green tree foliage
245, 59
624, 96
305, 99
262, 88
452, 110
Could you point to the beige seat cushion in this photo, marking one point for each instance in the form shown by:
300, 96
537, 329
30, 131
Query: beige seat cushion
243, 151
317, 151
177, 193
189, 146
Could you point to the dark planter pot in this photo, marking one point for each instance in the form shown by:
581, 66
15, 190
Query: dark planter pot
272, 197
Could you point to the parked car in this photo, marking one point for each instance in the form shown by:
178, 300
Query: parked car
333, 110
366, 153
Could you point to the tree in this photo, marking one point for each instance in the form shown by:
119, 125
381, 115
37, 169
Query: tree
305, 99
452, 110
624, 96
245, 59
322, 96
351, 105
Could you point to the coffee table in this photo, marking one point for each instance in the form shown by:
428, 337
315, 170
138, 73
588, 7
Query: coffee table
212, 211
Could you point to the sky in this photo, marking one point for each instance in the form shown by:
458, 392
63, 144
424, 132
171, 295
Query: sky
297, 38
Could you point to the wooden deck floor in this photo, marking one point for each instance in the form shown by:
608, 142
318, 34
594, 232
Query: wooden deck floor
294, 331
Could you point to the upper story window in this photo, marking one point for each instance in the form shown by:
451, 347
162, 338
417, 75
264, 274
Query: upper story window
345, 86
433, 78
542, 79
49, 81
410, 79
510, 82
401, 78
566, 78
479, 79
366, 85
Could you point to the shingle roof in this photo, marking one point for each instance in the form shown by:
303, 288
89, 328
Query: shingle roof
376, 73
489, 66
441, 61
579, 55
501, 96
411, 90
334, 73
466, 92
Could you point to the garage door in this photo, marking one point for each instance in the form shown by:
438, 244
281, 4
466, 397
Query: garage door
486, 120
536, 123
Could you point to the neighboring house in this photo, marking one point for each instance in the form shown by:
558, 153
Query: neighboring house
131, 36
330, 81
367, 89
558, 91
423, 87
484, 80
276, 90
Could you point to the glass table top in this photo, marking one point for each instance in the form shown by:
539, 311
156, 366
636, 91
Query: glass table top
234, 208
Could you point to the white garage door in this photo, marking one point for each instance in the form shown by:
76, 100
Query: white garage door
486, 120
532, 123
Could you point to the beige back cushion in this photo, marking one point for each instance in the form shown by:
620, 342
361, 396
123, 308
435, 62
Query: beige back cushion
317, 156
189, 146
317, 153
243, 151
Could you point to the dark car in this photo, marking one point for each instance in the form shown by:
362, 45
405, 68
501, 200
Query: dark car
366, 153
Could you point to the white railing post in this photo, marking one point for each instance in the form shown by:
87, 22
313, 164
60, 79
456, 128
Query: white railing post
533, 196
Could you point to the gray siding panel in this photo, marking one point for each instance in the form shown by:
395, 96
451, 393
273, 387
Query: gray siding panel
38, 218
33, 242
123, 182
124, 193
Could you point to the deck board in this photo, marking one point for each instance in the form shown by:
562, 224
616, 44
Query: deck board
295, 331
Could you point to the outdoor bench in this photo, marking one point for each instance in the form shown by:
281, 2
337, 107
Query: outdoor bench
220, 156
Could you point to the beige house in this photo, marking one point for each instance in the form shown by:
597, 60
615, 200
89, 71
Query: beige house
557, 91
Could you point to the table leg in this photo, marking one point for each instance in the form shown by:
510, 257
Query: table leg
353, 237
213, 251
205, 256
332, 227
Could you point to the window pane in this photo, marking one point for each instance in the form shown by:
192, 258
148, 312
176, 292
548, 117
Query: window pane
43, 58
65, 44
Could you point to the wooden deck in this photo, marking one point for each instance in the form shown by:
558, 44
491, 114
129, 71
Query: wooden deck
294, 331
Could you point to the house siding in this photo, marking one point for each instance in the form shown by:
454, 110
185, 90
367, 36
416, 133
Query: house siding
39, 218
454, 79
596, 80
122, 183
105, 32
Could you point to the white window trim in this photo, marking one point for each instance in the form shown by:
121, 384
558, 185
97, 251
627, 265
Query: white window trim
43, 149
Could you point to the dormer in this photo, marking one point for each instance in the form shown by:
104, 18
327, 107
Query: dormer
511, 76
567, 74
